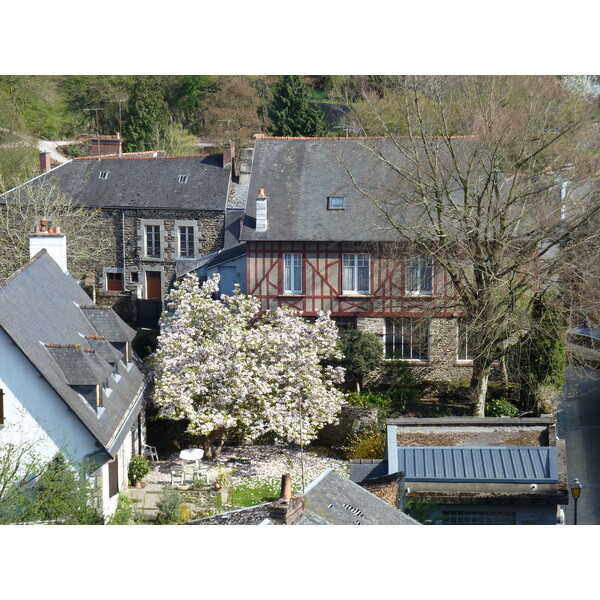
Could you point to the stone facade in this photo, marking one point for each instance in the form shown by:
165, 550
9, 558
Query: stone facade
443, 364
131, 244
352, 418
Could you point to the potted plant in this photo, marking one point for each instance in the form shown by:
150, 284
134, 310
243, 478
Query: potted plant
222, 478
139, 467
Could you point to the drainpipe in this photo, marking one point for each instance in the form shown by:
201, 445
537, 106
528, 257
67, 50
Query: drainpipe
123, 233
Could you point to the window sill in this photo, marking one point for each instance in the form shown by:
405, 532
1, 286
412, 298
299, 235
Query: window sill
354, 295
291, 295
418, 295
464, 363
421, 363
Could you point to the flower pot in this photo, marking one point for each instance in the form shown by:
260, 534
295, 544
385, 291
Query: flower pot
138, 484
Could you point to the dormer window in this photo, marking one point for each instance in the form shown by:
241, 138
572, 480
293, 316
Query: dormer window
335, 203
103, 175
183, 178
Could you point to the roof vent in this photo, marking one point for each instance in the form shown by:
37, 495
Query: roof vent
183, 178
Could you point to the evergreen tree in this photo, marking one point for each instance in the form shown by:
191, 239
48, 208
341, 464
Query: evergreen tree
291, 112
148, 116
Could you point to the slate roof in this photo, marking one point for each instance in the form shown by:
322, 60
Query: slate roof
299, 174
143, 183
335, 500
519, 464
40, 311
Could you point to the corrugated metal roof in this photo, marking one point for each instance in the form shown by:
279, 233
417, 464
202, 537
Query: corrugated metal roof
518, 464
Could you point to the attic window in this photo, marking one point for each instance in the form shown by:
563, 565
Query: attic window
103, 175
183, 178
335, 203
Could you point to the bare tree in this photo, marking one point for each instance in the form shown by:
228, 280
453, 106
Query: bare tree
497, 179
88, 232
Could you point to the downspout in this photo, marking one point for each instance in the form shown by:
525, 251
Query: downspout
123, 234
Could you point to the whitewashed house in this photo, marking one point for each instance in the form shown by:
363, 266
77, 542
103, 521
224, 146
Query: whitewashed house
70, 382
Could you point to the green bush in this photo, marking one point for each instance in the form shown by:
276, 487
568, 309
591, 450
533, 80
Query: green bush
169, 507
124, 513
139, 467
368, 442
500, 407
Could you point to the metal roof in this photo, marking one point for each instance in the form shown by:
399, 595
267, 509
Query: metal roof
514, 464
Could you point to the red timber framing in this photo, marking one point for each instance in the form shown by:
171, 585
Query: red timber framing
322, 281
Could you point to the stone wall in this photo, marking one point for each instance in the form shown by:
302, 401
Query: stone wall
352, 418
442, 365
209, 237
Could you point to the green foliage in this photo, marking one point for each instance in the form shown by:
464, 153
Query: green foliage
139, 467
499, 407
61, 493
539, 361
147, 117
291, 112
368, 442
362, 352
124, 513
169, 507
425, 511
144, 342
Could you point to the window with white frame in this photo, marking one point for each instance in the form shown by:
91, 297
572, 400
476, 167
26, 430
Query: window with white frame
292, 273
418, 276
407, 339
463, 351
186, 241
355, 273
153, 241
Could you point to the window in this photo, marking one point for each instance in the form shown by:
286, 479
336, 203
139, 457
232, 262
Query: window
153, 241
418, 276
103, 175
186, 242
335, 203
345, 322
407, 339
114, 282
292, 273
462, 338
465, 517
1, 407
183, 178
355, 273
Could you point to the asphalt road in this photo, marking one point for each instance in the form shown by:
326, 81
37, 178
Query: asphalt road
578, 422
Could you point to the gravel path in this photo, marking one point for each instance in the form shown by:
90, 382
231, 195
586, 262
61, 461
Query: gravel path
264, 462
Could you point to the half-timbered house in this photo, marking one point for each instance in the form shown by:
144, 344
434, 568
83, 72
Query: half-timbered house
316, 241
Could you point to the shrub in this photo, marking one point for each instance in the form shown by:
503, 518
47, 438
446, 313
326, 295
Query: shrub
169, 507
500, 407
368, 442
139, 467
124, 513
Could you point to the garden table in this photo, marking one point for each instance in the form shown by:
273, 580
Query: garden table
192, 455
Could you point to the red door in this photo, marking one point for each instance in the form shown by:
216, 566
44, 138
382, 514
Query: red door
153, 287
114, 282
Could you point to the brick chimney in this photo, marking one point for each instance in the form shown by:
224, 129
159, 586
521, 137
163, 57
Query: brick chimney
46, 236
45, 162
261, 211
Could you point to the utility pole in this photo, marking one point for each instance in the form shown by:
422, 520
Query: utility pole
119, 101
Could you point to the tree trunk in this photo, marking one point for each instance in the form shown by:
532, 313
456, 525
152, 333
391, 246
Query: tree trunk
479, 386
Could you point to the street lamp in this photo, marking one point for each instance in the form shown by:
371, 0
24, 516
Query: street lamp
575, 491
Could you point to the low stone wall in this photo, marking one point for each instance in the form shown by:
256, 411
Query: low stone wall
351, 419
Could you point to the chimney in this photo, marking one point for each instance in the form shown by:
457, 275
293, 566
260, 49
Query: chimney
52, 240
286, 487
245, 165
45, 162
261, 211
228, 154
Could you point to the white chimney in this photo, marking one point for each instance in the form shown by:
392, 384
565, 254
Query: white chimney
50, 238
261, 211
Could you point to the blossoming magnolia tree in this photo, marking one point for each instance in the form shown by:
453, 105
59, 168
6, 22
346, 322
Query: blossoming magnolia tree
223, 365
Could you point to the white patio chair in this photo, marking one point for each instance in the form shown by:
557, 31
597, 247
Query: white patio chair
177, 475
151, 453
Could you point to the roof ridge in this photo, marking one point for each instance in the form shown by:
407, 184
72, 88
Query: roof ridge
25, 266
112, 157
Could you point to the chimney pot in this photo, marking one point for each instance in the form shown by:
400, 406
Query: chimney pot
261, 193
286, 487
